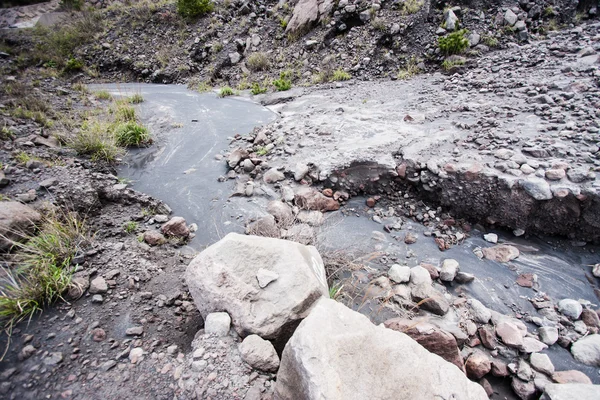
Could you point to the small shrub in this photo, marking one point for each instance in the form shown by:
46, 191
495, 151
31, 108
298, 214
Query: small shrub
135, 99
71, 4
194, 8
217, 47
130, 226
226, 91
453, 43
341, 75
243, 84
131, 134
283, 22
203, 87
73, 65
284, 82
103, 95
262, 151
379, 24
258, 89
258, 62
22, 157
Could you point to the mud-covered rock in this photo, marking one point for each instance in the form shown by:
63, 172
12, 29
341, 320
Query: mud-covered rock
16, 221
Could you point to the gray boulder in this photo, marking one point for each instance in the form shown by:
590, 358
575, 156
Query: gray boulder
337, 353
259, 353
571, 308
587, 350
224, 278
570, 391
16, 221
450, 20
307, 13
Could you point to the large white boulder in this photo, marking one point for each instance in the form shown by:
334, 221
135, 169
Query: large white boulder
229, 276
587, 350
337, 353
571, 391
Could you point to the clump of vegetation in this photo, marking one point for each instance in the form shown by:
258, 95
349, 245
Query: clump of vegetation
284, 82
73, 65
103, 95
21, 157
194, 8
411, 69
450, 63
411, 7
135, 99
71, 4
258, 62
42, 268
130, 226
453, 43
379, 24
341, 75
283, 22
96, 140
226, 91
262, 151
335, 290
258, 89
131, 134
489, 41
124, 112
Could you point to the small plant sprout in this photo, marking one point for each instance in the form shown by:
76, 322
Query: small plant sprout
130, 226
341, 75
226, 91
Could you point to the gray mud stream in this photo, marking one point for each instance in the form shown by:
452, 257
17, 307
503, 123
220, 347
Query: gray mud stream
190, 129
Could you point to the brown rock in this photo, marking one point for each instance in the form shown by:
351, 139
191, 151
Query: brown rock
16, 221
525, 390
401, 170
328, 192
410, 238
509, 334
499, 368
177, 227
487, 387
371, 202
571, 376
525, 280
98, 335
590, 318
310, 199
478, 365
431, 337
433, 272
501, 253
78, 286
154, 238
488, 337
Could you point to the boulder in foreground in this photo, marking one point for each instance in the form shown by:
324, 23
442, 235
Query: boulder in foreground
337, 353
569, 391
228, 276
16, 221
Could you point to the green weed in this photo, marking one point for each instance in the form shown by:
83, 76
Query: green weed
258, 89
135, 99
453, 43
103, 95
130, 226
131, 134
411, 69
226, 91
194, 8
341, 75
258, 62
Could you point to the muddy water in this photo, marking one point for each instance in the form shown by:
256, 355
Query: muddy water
189, 130
181, 169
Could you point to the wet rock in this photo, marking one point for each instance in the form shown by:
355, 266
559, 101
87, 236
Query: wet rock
154, 238
273, 175
259, 353
525, 390
480, 312
329, 344
223, 278
410, 238
587, 350
176, 227
431, 337
399, 273
509, 334
501, 253
548, 334
281, 211
526, 280
236, 156
98, 285
596, 270
308, 198
16, 220
449, 270
478, 365
571, 391
571, 376
571, 308
264, 226
432, 300
542, 363
464, 277
491, 238
419, 275
217, 323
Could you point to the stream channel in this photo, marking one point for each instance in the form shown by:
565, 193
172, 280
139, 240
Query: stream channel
190, 129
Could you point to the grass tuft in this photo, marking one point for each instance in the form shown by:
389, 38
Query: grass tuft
411, 69
453, 43
96, 140
135, 99
130, 226
341, 75
130, 134
103, 95
226, 91
258, 62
